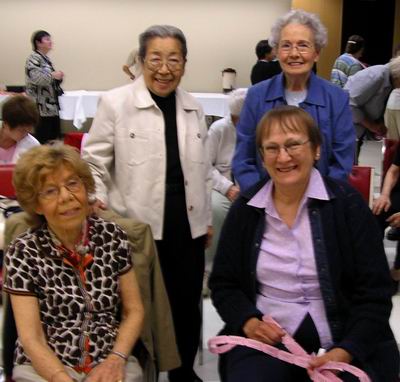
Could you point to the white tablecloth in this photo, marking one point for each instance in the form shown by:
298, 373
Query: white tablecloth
79, 105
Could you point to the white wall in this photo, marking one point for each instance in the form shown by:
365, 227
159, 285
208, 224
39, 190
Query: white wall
92, 38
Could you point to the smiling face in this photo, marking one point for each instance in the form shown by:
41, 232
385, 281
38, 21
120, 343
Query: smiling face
291, 171
164, 80
65, 213
300, 58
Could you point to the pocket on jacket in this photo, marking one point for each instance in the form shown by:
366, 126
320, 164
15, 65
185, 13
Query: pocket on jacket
195, 149
138, 148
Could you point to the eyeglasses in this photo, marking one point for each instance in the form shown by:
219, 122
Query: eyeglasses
173, 64
302, 47
73, 185
292, 148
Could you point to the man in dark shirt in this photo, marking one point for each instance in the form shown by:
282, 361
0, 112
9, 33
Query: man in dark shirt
267, 66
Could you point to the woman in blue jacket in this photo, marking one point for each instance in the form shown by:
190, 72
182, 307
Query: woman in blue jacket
298, 38
305, 250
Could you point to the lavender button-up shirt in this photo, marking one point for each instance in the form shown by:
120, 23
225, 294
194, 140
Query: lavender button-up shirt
286, 270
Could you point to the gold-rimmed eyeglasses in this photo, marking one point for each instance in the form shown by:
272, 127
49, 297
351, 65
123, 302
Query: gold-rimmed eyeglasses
72, 185
292, 148
173, 64
302, 47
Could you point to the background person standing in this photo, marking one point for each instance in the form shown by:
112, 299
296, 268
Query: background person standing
43, 85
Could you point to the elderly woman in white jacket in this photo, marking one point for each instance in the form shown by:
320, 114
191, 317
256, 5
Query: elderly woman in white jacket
147, 149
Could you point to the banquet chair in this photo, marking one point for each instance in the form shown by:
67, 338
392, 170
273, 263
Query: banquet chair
74, 138
6, 187
388, 150
362, 179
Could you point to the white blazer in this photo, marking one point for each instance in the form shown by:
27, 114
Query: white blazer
127, 155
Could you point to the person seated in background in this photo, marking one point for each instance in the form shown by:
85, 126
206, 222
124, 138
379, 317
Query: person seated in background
267, 65
348, 63
132, 67
369, 90
222, 140
387, 209
68, 277
298, 37
20, 117
294, 247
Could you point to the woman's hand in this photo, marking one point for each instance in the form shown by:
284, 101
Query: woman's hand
209, 236
96, 205
381, 204
334, 355
266, 332
58, 75
112, 369
394, 220
233, 193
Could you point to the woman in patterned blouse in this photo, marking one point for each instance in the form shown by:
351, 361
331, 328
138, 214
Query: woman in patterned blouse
68, 276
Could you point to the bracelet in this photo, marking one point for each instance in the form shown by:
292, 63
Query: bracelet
56, 372
120, 355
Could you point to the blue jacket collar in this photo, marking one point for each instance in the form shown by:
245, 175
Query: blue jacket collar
275, 89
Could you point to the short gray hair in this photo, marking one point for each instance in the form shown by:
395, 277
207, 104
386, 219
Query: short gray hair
236, 100
300, 16
162, 31
394, 68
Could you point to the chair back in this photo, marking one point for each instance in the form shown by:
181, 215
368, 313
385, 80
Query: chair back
74, 139
362, 179
6, 186
388, 150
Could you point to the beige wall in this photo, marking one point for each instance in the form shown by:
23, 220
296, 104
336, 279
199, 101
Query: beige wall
92, 38
330, 13
396, 32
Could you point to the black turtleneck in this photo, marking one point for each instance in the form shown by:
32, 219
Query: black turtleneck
168, 107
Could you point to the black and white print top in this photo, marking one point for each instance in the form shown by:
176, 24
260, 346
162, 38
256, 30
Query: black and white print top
79, 315
40, 84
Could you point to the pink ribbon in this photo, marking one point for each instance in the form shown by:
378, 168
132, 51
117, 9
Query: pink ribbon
297, 355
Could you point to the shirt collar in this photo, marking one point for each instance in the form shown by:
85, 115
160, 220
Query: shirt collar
315, 190
315, 96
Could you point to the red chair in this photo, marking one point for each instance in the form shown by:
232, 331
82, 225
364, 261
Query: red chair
388, 151
362, 179
74, 139
6, 187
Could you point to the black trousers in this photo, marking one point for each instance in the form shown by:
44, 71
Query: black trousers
49, 129
182, 265
246, 364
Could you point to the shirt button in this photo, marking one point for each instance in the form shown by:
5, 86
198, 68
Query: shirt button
132, 135
186, 183
198, 135
190, 208
257, 245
